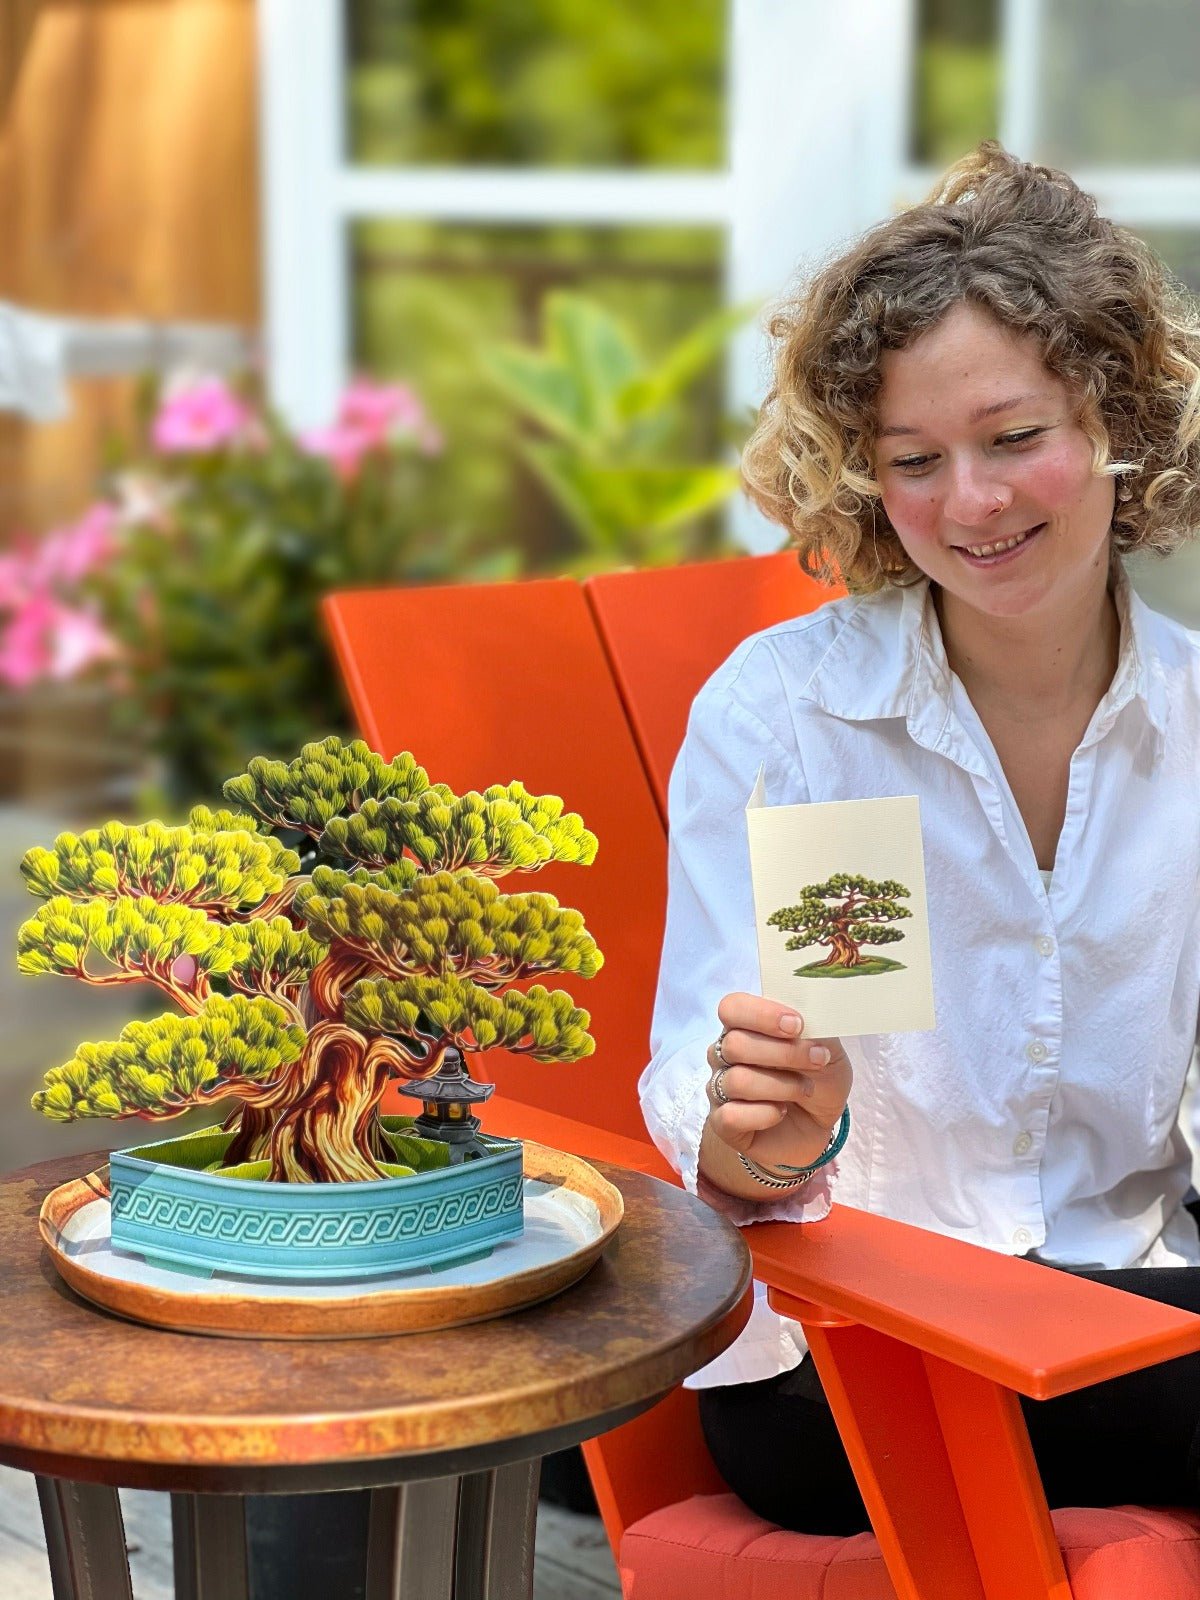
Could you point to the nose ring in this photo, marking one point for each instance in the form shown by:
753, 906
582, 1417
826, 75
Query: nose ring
999, 503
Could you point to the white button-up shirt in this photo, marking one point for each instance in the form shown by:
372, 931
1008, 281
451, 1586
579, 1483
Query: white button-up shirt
1041, 1114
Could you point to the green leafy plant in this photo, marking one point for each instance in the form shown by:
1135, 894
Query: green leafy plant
194, 588
608, 415
341, 929
845, 912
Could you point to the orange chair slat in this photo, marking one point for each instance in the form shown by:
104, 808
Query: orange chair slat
1029, 1327
668, 629
627, 1465
880, 1399
514, 683
514, 1120
998, 1485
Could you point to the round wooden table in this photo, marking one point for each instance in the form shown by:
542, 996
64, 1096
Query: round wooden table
447, 1428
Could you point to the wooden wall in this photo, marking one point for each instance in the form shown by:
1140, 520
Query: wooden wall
128, 188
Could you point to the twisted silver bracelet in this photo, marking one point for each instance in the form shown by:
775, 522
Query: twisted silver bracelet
761, 1175
793, 1177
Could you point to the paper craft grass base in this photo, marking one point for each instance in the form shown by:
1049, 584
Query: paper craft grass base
866, 968
571, 1212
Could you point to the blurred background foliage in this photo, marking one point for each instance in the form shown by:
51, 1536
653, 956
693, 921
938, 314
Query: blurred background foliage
220, 556
548, 83
612, 418
431, 298
551, 83
956, 93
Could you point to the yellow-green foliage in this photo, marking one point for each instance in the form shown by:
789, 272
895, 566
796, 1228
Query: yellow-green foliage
130, 936
230, 870
455, 922
203, 819
277, 956
325, 780
511, 809
504, 829
405, 895
544, 1023
327, 882
172, 1062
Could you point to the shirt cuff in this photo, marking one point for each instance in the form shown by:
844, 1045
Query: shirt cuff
675, 1105
808, 1202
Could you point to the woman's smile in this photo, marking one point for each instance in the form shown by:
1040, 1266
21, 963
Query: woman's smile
999, 549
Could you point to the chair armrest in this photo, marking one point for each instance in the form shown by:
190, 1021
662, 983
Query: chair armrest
515, 1120
1026, 1326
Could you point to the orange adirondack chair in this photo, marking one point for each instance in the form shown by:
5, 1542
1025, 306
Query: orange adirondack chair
923, 1343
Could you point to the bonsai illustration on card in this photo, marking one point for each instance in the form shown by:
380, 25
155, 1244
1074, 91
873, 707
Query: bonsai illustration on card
841, 912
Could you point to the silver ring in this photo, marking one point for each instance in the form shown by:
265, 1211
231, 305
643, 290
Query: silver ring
717, 1051
718, 1088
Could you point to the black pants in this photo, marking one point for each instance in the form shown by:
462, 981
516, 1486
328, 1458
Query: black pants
1134, 1439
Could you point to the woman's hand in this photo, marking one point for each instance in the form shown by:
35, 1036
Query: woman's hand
776, 1095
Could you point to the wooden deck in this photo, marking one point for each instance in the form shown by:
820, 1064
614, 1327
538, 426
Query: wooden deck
572, 1562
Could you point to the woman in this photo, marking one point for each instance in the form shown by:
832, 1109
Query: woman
975, 412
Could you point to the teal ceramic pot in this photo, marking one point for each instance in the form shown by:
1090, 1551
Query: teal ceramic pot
169, 1210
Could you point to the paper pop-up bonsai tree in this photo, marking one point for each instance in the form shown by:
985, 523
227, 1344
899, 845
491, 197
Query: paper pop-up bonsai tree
338, 931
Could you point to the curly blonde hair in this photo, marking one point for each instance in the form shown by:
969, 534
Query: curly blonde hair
1025, 243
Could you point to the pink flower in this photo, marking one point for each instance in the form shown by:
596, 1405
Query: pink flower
48, 639
78, 639
204, 415
144, 500
370, 416
24, 650
16, 574
380, 410
69, 554
343, 447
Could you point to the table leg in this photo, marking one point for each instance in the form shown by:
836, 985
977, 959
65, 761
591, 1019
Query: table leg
411, 1541
468, 1538
208, 1539
497, 1517
85, 1540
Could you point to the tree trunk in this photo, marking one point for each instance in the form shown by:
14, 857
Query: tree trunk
324, 1110
252, 1138
845, 953
333, 975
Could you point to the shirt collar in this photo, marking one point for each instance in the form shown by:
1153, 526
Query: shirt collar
888, 660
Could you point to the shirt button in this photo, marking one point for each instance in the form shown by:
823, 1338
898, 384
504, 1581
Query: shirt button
1045, 946
1035, 1050
1022, 1238
1022, 1144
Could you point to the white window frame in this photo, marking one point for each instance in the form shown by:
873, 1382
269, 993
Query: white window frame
819, 117
1138, 197
817, 108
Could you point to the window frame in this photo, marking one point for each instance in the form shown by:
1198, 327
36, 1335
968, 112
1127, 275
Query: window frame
814, 155
781, 196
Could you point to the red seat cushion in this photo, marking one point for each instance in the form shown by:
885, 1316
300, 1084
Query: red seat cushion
711, 1545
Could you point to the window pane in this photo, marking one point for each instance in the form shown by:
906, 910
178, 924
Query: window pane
956, 89
1117, 82
1180, 249
547, 83
1173, 585
430, 298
